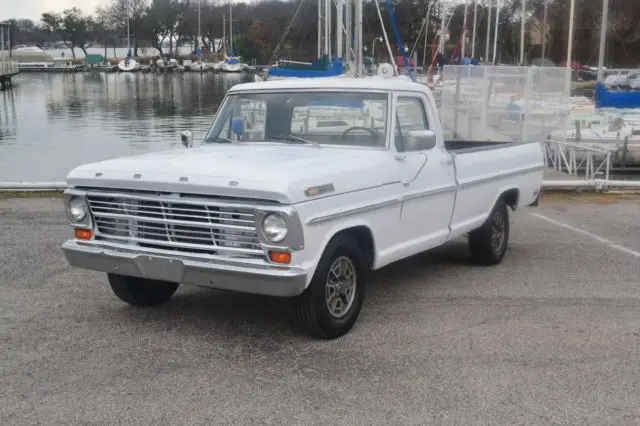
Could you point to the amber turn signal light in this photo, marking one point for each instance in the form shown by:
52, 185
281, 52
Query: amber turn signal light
280, 257
83, 234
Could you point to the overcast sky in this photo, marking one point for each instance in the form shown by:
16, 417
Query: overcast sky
32, 9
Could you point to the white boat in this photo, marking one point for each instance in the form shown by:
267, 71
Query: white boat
128, 65
169, 63
232, 64
28, 49
217, 66
201, 66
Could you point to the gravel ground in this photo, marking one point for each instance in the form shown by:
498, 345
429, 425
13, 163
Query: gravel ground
550, 336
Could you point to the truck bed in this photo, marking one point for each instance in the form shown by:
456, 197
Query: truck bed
484, 170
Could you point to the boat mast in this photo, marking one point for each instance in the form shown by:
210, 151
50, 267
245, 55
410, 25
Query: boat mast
128, 29
603, 37
198, 40
339, 16
230, 30
475, 22
464, 30
495, 38
349, 33
320, 28
327, 31
522, 23
488, 40
359, 37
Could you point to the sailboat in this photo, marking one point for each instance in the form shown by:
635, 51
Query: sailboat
325, 65
200, 65
128, 64
232, 63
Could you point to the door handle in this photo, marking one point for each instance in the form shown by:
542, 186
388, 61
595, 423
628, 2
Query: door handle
446, 161
399, 157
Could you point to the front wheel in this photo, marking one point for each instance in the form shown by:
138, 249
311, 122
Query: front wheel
141, 291
330, 306
488, 244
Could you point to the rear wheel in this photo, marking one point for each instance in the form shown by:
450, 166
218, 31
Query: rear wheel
330, 306
141, 291
488, 244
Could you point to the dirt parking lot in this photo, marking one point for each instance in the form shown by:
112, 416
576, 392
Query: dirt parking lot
550, 336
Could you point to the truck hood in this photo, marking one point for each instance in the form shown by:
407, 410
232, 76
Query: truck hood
276, 172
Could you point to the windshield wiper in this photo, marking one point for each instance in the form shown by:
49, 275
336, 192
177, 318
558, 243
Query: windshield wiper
292, 138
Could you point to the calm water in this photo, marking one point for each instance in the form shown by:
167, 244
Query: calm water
51, 123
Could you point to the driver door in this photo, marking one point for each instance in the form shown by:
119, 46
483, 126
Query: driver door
428, 178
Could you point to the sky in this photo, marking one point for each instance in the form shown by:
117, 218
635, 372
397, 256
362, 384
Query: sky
33, 9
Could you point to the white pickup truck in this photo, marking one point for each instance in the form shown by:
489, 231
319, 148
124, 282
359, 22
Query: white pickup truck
300, 188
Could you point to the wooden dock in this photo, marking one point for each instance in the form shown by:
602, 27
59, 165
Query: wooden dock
8, 68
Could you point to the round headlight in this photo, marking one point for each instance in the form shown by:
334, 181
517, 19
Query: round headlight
274, 227
77, 209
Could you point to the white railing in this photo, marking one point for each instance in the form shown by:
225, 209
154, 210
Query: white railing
572, 158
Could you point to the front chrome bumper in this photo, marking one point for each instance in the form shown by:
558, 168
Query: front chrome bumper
233, 274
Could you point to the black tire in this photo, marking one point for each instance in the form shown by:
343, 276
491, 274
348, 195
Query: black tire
488, 244
312, 308
141, 291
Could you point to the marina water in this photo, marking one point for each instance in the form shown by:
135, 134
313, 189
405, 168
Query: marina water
51, 123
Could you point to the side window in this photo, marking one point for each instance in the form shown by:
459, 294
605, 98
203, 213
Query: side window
410, 115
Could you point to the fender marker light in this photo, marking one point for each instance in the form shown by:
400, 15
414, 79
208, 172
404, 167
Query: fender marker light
319, 190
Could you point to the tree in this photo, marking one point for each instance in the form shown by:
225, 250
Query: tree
72, 26
105, 28
160, 23
130, 13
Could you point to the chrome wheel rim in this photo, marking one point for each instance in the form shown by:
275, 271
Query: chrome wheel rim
340, 286
498, 230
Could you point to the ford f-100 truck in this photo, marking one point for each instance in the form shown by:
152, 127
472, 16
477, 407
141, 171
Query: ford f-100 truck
300, 189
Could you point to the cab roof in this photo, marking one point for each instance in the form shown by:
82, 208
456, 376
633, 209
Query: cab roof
339, 83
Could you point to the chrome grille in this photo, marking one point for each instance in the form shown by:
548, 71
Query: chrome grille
180, 225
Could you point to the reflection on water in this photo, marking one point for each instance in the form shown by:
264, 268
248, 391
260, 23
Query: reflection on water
50, 123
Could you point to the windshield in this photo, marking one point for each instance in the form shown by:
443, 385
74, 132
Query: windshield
317, 118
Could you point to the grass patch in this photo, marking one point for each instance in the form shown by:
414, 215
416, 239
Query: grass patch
30, 194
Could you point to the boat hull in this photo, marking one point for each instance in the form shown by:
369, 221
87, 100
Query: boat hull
128, 65
232, 67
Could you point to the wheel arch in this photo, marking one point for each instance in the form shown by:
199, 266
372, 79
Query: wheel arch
511, 197
360, 232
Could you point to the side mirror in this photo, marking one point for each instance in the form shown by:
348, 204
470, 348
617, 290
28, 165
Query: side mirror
187, 139
420, 140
